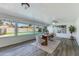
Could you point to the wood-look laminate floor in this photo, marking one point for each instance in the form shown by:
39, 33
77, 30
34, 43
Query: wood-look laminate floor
66, 48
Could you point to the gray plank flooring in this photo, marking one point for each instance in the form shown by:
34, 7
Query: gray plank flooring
66, 48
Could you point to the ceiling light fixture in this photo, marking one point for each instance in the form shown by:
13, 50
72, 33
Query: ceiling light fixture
25, 5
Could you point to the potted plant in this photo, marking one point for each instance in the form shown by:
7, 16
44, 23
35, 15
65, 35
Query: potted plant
39, 30
45, 29
72, 29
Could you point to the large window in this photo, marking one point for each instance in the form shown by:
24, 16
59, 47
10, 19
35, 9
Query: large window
7, 28
12, 28
25, 29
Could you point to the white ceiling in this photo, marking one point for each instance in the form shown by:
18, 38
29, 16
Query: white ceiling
42, 12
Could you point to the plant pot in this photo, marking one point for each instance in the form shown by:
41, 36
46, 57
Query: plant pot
72, 38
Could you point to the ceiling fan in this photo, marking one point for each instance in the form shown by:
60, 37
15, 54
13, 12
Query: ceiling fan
25, 5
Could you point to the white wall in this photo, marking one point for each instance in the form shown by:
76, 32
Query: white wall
5, 41
63, 35
77, 33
